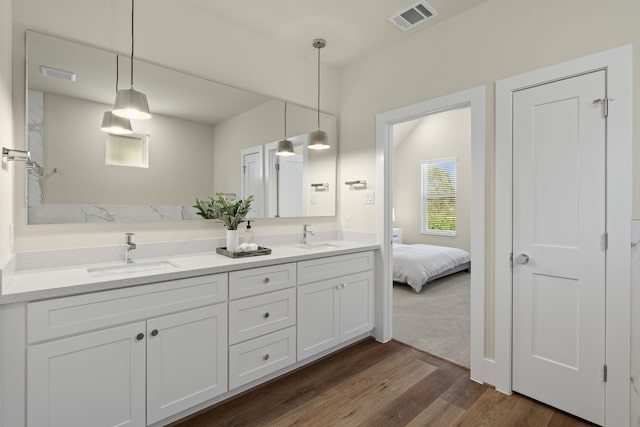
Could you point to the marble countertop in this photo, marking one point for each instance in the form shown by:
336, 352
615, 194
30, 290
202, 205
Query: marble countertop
31, 285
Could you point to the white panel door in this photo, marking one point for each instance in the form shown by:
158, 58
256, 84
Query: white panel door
95, 379
356, 305
318, 317
290, 186
186, 360
559, 258
252, 182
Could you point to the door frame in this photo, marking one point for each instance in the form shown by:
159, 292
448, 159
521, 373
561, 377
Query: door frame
618, 66
475, 99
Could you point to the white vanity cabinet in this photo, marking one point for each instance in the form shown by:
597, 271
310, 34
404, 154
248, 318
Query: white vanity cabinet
132, 366
150, 354
93, 379
262, 325
186, 360
333, 305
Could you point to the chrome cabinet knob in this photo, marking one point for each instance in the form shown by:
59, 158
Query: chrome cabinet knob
266, 280
265, 357
522, 259
266, 315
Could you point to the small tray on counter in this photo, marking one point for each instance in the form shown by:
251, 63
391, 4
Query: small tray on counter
260, 251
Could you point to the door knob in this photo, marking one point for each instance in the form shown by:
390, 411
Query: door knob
522, 259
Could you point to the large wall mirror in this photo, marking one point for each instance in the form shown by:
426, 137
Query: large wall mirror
204, 138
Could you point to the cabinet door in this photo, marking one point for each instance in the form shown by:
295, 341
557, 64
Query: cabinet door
356, 305
95, 379
318, 328
186, 360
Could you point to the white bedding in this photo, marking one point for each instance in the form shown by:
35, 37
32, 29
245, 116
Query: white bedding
415, 264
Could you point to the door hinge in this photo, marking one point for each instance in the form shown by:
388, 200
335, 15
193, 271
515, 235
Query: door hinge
605, 104
277, 166
511, 259
605, 241
244, 169
604, 373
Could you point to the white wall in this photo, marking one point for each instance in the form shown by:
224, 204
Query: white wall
497, 39
437, 136
6, 131
184, 38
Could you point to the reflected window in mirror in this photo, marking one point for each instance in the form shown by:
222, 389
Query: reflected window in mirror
131, 150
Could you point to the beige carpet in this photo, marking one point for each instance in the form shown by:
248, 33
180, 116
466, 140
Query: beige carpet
437, 320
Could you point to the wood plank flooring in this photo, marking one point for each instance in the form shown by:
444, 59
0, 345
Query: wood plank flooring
373, 384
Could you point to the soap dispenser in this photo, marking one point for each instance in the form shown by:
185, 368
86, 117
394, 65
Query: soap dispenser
248, 234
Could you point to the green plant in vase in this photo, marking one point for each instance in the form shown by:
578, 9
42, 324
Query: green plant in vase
232, 214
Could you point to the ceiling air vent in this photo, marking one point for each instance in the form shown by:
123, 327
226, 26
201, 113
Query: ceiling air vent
413, 15
58, 74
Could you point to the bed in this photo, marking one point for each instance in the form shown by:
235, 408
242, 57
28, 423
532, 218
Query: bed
418, 264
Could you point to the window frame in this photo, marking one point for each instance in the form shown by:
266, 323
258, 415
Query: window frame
424, 198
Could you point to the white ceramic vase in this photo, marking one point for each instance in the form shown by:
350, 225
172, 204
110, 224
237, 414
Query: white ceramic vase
232, 240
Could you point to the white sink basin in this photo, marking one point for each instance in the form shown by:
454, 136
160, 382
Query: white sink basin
134, 267
317, 246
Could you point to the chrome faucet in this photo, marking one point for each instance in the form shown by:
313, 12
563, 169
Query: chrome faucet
306, 232
129, 246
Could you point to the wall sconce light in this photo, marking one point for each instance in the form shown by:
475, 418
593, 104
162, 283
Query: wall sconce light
357, 182
11, 155
320, 186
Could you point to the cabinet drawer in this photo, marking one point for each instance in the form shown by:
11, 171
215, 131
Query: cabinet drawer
254, 281
325, 268
254, 359
72, 315
262, 314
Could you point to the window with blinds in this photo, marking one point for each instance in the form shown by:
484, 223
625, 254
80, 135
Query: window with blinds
439, 196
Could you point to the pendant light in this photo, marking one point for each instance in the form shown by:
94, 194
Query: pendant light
112, 123
318, 138
130, 103
285, 147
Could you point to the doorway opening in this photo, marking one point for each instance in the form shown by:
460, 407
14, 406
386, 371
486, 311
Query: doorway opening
481, 364
431, 234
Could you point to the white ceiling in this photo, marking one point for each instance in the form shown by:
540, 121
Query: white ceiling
352, 28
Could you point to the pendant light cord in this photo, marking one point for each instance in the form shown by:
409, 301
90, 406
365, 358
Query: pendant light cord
318, 87
132, 44
117, 71
285, 119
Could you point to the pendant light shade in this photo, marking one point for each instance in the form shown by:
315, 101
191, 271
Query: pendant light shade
318, 139
115, 125
285, 147
112, 123
131, 103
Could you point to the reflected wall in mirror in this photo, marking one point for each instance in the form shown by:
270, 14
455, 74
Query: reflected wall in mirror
195, 140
